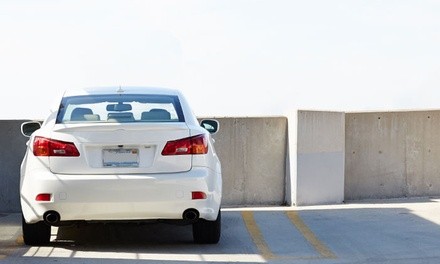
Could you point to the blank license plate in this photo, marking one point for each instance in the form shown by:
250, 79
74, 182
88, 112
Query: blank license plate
120, 157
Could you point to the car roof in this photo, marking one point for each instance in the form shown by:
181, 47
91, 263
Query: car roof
121, 89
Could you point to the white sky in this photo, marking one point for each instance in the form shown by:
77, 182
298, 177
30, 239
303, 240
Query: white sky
229, 57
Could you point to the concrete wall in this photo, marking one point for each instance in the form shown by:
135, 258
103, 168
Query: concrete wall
330, 156
252, 152
392, 154
317, 149
12, 148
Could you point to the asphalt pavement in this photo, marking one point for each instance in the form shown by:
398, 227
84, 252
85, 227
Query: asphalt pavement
380, 231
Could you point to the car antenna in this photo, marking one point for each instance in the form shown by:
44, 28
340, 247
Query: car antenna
120, 90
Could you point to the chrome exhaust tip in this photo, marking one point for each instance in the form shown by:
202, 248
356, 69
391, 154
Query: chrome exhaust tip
52, 218
191, 215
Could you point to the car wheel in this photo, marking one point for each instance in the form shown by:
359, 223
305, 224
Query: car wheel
35, 234
207, 232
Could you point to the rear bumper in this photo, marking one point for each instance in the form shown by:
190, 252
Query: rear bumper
121, 197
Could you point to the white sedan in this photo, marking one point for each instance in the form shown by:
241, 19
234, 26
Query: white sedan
121, 154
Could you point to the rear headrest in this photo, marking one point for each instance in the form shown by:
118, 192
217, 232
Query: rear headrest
78, 114
156, 114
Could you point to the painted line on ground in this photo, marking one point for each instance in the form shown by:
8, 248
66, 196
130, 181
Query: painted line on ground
308, 234
257, 237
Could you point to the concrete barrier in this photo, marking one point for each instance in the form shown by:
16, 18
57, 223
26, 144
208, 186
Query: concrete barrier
392, 154
12, 149
317, 149
252, 152
316, 157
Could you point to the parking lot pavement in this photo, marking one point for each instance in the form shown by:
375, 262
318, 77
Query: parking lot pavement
391, 231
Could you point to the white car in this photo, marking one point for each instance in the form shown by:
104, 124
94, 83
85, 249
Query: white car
121, 154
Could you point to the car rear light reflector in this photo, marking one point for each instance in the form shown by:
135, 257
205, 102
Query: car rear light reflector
191, 145
47, 147
198, 195
43, 197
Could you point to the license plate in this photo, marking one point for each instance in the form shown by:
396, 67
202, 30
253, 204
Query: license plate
120, 157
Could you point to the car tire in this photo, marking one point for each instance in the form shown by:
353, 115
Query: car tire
207, 232
35, 234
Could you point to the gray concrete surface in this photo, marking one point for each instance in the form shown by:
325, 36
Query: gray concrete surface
317, 141
391, 231
12, 148
392, 154
386, 155
252, 151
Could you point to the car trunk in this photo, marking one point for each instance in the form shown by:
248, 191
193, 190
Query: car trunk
117, 148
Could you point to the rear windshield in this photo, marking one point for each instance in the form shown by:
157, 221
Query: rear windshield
120, 108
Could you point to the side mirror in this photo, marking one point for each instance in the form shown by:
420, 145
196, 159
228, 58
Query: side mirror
211, 125
27, 128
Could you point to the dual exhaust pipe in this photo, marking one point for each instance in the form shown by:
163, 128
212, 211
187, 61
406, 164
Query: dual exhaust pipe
53, 218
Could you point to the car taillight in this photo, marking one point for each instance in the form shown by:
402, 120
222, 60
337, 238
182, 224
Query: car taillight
191, 145
49, 147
